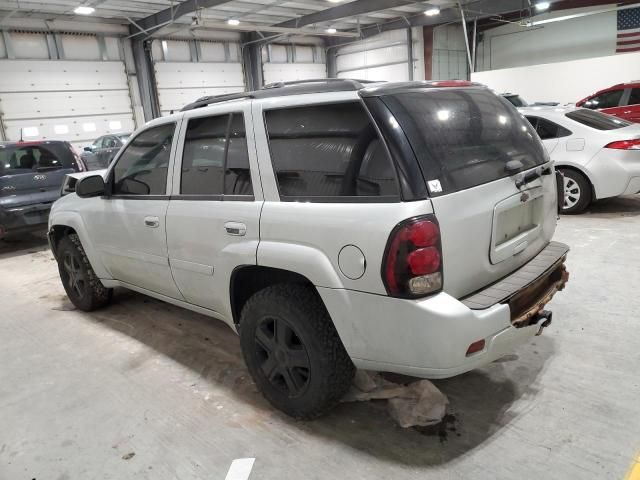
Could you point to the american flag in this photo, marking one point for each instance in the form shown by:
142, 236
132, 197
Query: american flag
628, 30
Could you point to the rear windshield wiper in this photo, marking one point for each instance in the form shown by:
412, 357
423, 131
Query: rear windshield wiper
516, 166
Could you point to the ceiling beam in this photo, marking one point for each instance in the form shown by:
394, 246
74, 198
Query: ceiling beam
168, 15
476, 9
357, 7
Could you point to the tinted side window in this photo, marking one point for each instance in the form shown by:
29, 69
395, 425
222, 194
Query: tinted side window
142, 167
605, 100
634, 99
215, 159
203, 156
329, 151
237, 176
547, 129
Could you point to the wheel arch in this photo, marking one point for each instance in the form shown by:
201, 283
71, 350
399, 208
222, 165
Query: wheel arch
583, 172
65, 223
247, 280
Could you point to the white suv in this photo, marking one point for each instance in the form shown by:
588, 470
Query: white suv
400, 227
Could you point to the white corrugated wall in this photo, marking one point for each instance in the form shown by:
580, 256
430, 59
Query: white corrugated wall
186, 70
290, 62
65, 87
382, 57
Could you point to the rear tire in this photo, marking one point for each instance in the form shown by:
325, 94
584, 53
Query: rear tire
577, 192
293, 352
83, 287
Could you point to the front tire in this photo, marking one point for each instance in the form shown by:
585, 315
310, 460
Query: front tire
83, 287
577, 192
293, 352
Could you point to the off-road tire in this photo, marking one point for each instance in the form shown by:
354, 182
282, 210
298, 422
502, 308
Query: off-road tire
330, 370
584, 189
89, 293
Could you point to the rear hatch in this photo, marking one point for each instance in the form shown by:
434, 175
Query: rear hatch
32, 172
491, 184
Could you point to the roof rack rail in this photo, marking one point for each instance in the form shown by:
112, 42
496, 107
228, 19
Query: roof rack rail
297, 87
355, 83
210, 100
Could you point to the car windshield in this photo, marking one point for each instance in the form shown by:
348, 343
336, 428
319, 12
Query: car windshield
597, 120
20, 158
516, 100
465, 137
124, 137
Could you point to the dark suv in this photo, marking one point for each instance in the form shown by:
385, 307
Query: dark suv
31, 174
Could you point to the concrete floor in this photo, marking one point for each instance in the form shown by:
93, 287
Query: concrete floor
80, 393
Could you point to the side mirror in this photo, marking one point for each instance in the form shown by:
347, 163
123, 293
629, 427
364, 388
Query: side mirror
92, 186
88, 149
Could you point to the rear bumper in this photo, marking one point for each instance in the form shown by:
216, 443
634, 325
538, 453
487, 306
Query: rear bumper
24, 218
615, 172
429, 338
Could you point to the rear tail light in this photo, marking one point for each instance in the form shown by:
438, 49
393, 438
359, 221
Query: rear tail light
81, 166
625, 144
412, 265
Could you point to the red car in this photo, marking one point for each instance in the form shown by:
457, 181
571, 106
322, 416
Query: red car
622, 100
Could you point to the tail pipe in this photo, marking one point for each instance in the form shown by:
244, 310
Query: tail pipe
544, 319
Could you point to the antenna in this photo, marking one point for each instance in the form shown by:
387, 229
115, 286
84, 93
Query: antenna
21, 135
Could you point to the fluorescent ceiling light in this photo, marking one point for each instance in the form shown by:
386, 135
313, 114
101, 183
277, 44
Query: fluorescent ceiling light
335, 1
84, 10
331, 30
432, 11
542, 5
233, 21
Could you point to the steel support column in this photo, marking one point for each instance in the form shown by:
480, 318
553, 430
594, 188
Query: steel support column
146, 77
252, 61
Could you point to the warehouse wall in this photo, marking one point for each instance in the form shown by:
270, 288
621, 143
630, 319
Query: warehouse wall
382, 57
186, 70
293, 61
515, 46
69, 86
564, 82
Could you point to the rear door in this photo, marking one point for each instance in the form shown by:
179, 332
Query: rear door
214, 212
472, 148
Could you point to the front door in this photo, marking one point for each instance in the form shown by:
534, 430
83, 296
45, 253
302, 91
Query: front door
214, 212
128, 227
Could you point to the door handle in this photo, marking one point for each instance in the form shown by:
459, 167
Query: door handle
152, 222
235, 228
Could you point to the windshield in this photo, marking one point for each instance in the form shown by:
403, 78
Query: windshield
465, 137
516, 100
597, 120
21, 158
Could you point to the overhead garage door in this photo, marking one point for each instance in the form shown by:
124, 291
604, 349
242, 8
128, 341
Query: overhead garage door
285, 63
73, 99
189, 69
381, 57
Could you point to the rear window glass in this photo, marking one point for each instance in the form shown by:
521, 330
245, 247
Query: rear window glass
31, 157
597, 120
465, 137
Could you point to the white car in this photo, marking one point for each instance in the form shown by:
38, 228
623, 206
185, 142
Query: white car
403, 227
598, 154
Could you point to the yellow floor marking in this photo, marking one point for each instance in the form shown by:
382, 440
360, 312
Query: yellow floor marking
634, 471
